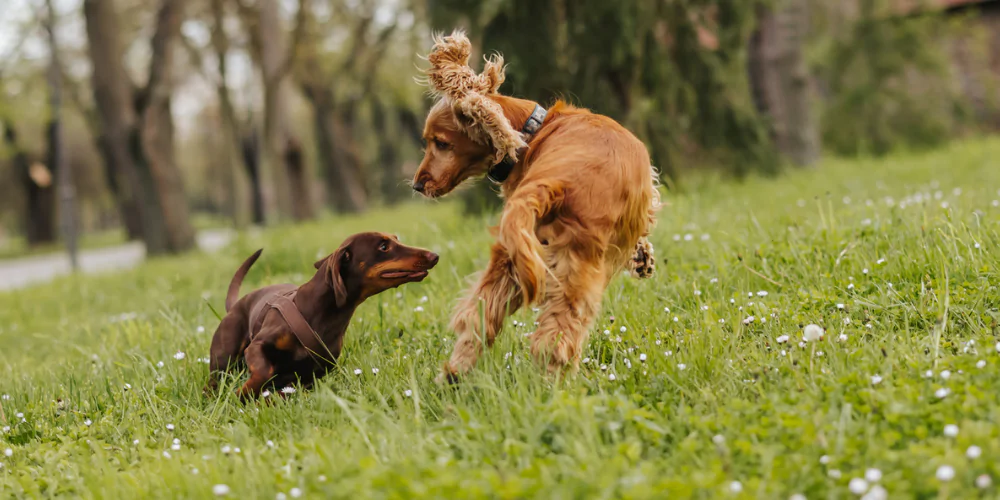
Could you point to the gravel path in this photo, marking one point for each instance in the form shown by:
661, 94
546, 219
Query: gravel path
25, 271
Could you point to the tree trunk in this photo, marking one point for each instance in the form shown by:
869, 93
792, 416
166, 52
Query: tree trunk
39, 191
233, 135
339, 159
391, 181
278, 135
138, 128
250, 148
127, 207
780, 80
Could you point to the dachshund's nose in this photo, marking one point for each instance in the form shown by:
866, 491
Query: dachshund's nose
432, 258
418, 186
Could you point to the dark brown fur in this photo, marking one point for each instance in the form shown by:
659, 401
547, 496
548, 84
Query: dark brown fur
364, 265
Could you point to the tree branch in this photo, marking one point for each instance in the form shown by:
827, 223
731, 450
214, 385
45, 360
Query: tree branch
168, 23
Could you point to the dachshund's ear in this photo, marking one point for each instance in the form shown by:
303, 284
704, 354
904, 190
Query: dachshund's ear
335, 278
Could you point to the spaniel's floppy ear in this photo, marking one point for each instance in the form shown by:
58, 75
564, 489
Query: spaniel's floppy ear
483, 120
333, 277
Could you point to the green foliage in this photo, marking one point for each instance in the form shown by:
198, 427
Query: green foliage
888, 83
906, 244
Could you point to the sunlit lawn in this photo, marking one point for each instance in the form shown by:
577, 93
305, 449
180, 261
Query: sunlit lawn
696, 383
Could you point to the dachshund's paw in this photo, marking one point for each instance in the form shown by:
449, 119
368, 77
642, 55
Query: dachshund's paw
643, 264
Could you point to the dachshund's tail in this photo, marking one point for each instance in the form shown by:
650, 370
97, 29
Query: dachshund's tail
234, 286
517, 234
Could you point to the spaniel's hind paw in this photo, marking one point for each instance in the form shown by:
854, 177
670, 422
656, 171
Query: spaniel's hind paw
643, 263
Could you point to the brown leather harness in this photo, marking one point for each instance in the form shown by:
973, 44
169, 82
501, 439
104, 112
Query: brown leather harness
283, 302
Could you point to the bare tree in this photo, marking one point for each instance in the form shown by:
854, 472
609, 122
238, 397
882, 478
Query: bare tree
64, 179
137, 125
336, 97
281, 158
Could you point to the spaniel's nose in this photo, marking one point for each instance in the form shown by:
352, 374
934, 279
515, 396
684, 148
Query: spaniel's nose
418, 186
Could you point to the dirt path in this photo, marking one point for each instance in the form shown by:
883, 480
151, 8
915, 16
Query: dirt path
25, 271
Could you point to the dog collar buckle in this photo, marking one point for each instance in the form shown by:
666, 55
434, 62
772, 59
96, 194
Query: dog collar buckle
499, 173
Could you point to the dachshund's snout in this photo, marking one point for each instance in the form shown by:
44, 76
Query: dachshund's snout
432, 259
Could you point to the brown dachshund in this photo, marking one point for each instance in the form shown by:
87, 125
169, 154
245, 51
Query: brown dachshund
581, 199
286, 333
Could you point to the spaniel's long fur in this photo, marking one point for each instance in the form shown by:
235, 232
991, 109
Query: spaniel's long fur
580, 203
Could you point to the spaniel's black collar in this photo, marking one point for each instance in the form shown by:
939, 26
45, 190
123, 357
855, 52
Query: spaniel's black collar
499, 172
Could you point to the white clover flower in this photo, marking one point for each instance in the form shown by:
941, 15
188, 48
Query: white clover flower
973, 452
179, 355
200, 329
135, 442
166, 454
873, 475
945, 375
981, 364
220, 490
876, 379
607, 332
812, 333
375, 371
604, 367
876, 493
783, 352
357, 371
697, 292
762, 293
8, 452
611, 376
681, 366
719, 439
265, 394
88, 422
825, 459
159, 364
840, 306
942, 393
858, 486
418, 309
951, 430
735, 486
984, 481
847, 321
998, 344
834, 473
850, 286
623, 329
945, 473
642, 357
170, 427
295, 492
864, 271
842, 337
226, 449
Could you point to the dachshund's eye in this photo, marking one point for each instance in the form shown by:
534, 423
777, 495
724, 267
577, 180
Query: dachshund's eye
384, 246
441, 144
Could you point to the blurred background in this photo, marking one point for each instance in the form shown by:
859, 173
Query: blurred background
152, 120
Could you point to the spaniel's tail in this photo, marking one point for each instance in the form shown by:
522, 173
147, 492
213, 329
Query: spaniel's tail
517, 234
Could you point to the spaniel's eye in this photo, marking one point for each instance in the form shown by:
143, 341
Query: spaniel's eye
441, 144
384, 246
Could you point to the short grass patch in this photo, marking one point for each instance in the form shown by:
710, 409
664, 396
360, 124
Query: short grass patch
696, 383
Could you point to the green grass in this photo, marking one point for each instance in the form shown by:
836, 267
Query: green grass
717, 400
17, 246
